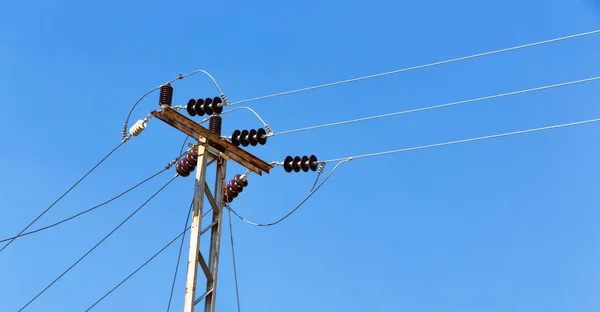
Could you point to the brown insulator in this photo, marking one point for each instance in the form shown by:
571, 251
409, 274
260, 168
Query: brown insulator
194, 151
217, 105
186, 165
313, 163
305, 165
199, 107
235, 186
235, 137
215, 124
261, 136
191, 159
181, 171
296, 164
166, 95
232, 192
191, 107
288, 164
244, 138
238, 178
252, 137
208, 109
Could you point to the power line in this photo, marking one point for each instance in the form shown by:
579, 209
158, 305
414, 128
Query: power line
98, 244
246, 108
187, 220
88, 210
299, 205
569, 83
183, 145
144, 264
237, 291
62, 196
466, 140
419, 67
345, 159
138, 269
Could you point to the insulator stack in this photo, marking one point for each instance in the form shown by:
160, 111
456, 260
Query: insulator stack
166, 95
187, 164
252, 137
214, 124
206, 106
304, 163
234, 187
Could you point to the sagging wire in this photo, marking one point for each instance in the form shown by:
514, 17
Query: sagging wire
299, 205
63, 195
143, 265
139, 268
88, 210
97, 244
267, 127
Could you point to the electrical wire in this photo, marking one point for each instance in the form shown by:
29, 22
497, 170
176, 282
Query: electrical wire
62, 196
247, 108
144, 264
187, 220
98, 244
240, 107
466, 140
139, 268
345, 159
237, 292
418, 67
569, 83
88, 210
207, 74
183, 145
299, 205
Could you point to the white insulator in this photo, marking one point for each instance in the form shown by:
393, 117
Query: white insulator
137, 128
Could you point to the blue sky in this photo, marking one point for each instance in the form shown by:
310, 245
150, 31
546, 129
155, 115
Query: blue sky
502, 225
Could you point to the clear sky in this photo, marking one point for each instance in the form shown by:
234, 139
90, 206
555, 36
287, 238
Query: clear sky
501, 225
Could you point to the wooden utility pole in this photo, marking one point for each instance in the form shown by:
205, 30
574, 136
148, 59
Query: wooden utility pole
210, 146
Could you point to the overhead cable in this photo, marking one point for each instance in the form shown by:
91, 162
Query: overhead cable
98, 244
299, 205
144, 264
88, 210
139, 268
564, 84
63, 195
418, 67
247, 108
465, 140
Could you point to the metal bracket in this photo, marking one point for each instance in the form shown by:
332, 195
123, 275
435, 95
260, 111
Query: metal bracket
205, 267
211, 199
203, 296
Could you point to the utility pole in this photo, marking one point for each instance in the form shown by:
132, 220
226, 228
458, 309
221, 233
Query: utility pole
216, 149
